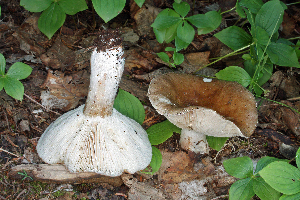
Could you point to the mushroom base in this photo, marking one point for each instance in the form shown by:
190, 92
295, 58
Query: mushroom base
107, 146
193, 141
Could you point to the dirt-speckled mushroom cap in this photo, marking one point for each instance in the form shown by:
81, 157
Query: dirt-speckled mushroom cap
217, 108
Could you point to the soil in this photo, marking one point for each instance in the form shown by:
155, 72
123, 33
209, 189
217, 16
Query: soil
65, 59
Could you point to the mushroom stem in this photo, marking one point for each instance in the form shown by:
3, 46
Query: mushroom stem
106, 71
191, 140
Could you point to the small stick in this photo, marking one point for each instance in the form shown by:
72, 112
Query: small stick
9, 153
40, 104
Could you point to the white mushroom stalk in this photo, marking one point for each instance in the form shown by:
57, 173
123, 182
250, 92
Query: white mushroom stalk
96, 137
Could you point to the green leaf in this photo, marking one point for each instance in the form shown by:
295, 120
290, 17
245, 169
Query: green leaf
297, 49
262, 36
2, 64
263, 162
35, 5
178, 58
170, 49
160, 132
51, 20
108, 9
207, 22
180, 44
185, 32
2, 82
139, 2
216, 143
71, 7
242, 190
298, 158
240, 10
163, 56
253, 5
234, 37
130, 106
282, 176
263, 190
282, 55
270, 16
290, 197
234, 73
167, 34
241, 167
165, 21
156, 160
182, 8
13, 88
19, 71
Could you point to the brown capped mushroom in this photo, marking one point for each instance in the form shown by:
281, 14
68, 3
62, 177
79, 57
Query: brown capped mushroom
200, 107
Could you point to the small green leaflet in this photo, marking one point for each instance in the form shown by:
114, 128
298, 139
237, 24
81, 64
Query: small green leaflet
71, 7
253, 5
36, 5
130, 106
156, 161
216, 143
242, 189
139, 2
181, 8
263, 190
160, 132
108, 9
241, 167
234, 73
282, 176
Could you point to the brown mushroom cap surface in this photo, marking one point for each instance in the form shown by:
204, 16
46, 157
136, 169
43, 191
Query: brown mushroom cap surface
179, 94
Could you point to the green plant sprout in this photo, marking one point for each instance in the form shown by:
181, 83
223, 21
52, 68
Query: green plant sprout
172, 25
24, 173
10, 81
54, 11
271, 177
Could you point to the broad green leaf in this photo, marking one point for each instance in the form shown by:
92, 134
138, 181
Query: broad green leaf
282, 55
71, 7
253, 5
234, 73
160, 132
165, 19
207, 22
234, 37
185, 32
51, 20
2, 64
263, 162
180, 44
13, 88
285, 41
216, 143
270, 16
108, 9
298, 158
139, 2
263, 190
35, 5
262, 36
130, 106
297, 49
241, 167
290, 197
240, 10
2, 80
164, 57
178, 58
156, 160
242, 190
182, 8
169, 33
282, 176
19, 71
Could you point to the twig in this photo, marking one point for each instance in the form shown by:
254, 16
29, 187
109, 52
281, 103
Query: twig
23, 191
219, 197
31, 99
9, 152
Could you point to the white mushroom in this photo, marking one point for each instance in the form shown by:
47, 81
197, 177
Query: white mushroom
95, 137
215, 108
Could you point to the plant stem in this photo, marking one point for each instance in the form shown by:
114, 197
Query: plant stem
228, 10
279, 103
230, 54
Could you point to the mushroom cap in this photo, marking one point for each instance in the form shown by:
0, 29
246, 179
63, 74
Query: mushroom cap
217, 108
107, 146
